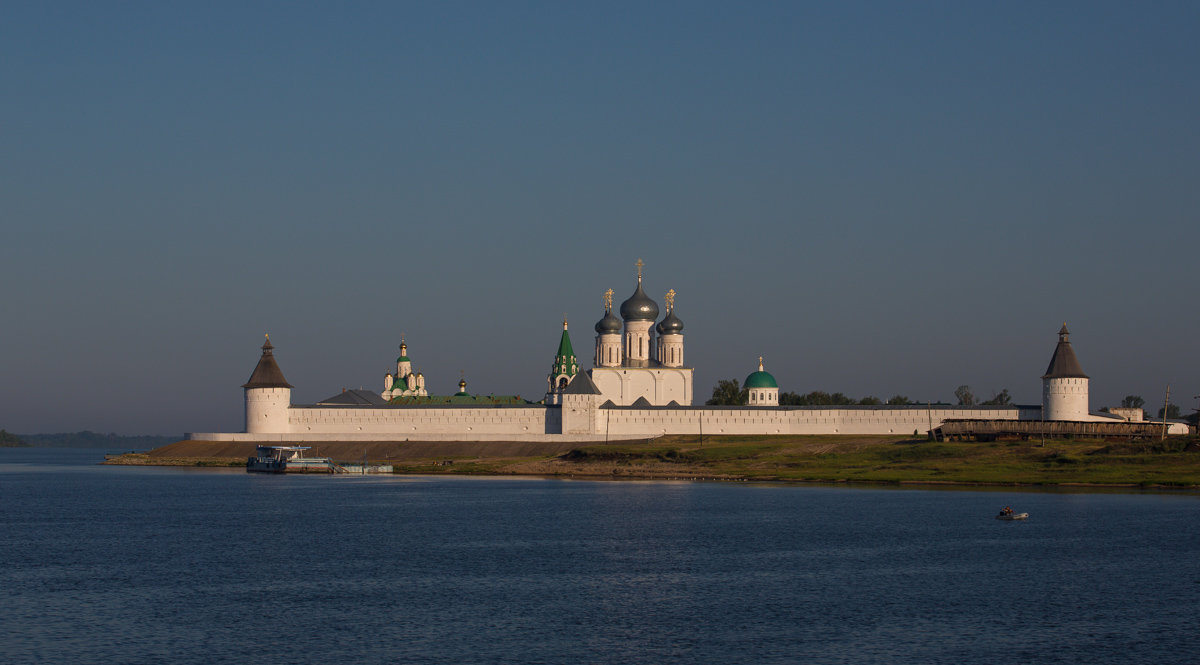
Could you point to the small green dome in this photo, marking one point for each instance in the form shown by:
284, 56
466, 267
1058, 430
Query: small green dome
761, 378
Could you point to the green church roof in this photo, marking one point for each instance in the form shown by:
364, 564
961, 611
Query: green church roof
761, 378
565, 362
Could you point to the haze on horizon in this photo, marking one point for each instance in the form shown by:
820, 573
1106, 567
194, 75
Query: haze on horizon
879, 198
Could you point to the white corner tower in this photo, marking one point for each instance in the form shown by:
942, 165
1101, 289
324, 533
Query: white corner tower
1064, 385
268, 396
639, 313
670, 335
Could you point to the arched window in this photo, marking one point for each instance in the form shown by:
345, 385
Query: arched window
562, 382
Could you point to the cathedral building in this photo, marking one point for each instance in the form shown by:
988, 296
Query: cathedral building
638, 360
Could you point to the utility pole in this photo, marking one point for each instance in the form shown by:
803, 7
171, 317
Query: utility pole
1166, 403
1043, 426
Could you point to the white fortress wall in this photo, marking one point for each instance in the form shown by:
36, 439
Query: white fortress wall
538, 422
789, 420
405, 421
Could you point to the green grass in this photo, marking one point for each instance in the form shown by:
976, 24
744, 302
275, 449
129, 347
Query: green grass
892, 461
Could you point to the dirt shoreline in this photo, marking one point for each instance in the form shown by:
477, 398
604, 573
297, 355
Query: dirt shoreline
869, 461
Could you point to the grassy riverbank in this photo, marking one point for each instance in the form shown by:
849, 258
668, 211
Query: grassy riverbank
1173, 463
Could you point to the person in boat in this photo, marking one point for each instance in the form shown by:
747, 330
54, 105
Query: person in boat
1006, 511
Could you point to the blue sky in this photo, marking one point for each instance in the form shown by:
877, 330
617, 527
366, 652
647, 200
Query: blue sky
880, 198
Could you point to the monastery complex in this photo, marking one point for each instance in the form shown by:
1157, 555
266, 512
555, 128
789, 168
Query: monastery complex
638, 387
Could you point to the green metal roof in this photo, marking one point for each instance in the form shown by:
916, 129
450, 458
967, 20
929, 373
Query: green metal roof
761, 379
565, 361
564, 346
461, 399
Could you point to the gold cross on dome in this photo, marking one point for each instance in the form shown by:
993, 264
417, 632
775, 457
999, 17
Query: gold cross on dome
670, 298
608, 300
639, 265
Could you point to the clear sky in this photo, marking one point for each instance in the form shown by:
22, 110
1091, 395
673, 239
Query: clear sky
879, 198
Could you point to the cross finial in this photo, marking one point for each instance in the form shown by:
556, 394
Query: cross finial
608, 300
670, 298
760, 365
564, 320
639, 265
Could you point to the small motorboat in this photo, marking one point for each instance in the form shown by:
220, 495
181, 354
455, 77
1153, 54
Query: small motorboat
1011, 516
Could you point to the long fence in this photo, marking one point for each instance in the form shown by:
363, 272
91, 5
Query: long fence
990, 430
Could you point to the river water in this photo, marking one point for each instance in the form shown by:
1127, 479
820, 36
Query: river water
142, 565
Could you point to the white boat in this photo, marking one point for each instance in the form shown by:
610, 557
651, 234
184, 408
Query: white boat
287, 459
1009, 517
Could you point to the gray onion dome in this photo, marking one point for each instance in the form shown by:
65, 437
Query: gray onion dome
609, 324
639, 307
670, 325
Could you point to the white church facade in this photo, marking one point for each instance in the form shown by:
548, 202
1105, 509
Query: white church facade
638, 387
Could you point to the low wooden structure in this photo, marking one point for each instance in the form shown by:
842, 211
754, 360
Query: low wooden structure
990, 430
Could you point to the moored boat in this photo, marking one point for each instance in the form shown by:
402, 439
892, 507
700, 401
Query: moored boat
287, 459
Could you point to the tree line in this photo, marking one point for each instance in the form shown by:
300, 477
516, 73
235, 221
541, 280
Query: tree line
729, 392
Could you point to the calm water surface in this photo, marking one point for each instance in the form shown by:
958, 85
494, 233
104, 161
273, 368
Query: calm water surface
141, 565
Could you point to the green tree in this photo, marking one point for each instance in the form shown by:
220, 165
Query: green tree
1172, 411
788, 398
870, 401
899, 400
727, 392
1133, 402
1000, 399
965, 396
9, 439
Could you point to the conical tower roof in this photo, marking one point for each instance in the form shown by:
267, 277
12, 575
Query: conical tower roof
565, 361
267, 373
1064, 364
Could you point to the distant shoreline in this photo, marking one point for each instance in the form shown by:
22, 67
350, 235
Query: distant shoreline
1171, 464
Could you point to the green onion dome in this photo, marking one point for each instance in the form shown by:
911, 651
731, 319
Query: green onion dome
761, 378
639, 307
609, 324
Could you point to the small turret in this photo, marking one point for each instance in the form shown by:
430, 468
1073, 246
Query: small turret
608, 336
670, 335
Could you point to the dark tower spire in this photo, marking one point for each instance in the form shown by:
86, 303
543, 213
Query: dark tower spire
267, 373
